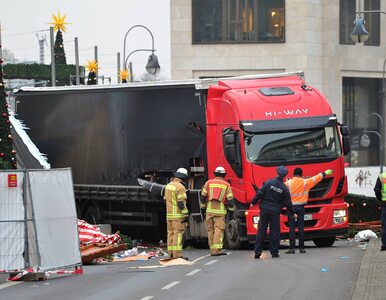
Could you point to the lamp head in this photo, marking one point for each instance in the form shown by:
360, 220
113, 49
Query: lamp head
365, 140
152, 66
359, 34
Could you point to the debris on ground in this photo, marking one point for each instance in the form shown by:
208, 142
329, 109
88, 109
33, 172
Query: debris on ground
139, 253
94, 251
99, 247
91, 234
365, 235
175, 262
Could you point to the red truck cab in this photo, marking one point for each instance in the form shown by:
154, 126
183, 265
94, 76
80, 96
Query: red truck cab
255, 125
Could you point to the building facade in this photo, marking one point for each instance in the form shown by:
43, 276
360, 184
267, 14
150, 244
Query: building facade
218, 38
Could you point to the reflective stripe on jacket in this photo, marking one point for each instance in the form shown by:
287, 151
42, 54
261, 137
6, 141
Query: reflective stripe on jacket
218, 192
382, 178
300, 187
174, 193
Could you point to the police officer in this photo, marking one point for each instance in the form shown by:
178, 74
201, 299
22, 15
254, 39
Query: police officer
176, 212
380, 193
217, 200
299, 189
273, 196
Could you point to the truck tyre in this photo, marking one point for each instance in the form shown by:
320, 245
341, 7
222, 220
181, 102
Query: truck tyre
232, 235
324, 242
92, 215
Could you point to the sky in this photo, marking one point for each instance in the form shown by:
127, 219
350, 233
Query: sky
95, 23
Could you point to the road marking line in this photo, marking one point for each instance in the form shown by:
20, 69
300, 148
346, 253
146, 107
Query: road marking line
170, 285
211, 262
9, 284
193, 272
147, 298
196, 260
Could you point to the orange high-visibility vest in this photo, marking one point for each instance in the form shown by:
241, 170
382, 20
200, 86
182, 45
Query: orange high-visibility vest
300, 187
218, 192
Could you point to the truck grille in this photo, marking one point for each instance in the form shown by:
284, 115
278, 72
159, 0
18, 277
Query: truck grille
340, 186
320, 189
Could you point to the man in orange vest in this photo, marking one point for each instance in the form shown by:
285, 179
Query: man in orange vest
299, 189
176, 212
217, 200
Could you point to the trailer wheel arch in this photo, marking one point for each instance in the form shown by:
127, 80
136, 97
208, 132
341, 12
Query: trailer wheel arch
92, 215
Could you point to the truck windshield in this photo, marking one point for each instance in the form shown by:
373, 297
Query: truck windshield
292, 146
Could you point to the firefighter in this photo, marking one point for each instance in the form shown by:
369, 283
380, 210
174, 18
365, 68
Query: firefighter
176, 212
380, 193
217, 201
299, 189
273, 196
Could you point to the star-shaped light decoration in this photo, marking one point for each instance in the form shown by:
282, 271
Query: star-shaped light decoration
92, 66
59, 22
123, 74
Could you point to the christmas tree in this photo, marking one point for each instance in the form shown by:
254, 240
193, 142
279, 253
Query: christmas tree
60, 55
59, 26
92, 68
7, 153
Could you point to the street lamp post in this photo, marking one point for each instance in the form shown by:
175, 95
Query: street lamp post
152, 66
360, 35
365, 140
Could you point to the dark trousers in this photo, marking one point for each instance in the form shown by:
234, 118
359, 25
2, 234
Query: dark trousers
273, 219
292, 223
383, 223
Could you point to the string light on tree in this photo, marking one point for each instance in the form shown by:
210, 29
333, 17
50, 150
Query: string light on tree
7, 153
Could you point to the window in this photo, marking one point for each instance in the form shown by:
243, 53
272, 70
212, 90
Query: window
373, 22
360, 99
238, 21
347, 18
293, 147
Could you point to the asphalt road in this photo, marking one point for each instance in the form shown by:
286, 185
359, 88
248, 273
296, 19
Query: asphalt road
321, 273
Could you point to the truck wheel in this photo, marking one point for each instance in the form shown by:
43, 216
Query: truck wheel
92, 215
324, 242
232, 235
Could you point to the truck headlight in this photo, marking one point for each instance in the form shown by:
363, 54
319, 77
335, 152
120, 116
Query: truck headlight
339, 216
339, 213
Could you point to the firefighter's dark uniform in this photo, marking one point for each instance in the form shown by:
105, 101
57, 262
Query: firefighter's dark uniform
274, 195
299, 189
176, 213
380, 193
219, 200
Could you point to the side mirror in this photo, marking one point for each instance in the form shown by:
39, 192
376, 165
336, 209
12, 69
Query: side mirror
344, 130
232, 151
346, 145
345, 139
